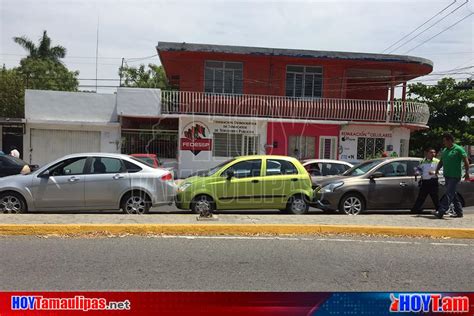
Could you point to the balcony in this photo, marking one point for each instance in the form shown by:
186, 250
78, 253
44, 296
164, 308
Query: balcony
270, 106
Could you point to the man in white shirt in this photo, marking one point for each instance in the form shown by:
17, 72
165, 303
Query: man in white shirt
428, 182
14, 152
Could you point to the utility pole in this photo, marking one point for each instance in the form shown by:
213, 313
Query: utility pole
96, 54
121, 69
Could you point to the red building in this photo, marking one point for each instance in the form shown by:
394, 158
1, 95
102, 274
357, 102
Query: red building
325, 104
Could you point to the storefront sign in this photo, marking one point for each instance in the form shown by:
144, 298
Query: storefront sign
234, 127
196, 138
365, 134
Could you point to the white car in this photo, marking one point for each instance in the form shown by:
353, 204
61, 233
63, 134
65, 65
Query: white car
319, 169
89, 181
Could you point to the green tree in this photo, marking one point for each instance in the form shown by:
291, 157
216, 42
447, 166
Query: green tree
45, 74
12, 93
41, 70
451, 110
152, 77
43, 50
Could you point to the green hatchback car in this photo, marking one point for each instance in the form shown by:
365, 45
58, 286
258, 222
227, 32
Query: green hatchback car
250, 182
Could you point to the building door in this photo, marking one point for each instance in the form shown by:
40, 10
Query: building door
328, 147
48, 145
12, 137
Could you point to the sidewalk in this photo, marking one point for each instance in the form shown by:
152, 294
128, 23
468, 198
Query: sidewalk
236, 223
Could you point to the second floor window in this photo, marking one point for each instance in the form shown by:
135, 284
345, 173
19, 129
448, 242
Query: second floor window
304, 82
223, 77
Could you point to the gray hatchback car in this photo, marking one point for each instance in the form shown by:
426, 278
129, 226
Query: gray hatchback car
388, 183
89, 181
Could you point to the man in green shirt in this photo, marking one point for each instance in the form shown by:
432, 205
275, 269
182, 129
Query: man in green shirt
451, 158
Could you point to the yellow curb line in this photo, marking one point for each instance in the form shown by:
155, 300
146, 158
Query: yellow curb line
231, 229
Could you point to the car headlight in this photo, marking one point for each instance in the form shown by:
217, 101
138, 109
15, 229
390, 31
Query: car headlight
331, 187
184, 186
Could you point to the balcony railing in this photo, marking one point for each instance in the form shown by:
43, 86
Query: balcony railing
200, 103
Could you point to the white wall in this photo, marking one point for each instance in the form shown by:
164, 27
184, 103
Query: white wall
138, 102
69, 106
189, 162
350, 133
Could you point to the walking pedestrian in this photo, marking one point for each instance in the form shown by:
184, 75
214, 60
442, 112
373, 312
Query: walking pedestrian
429, 181
14, 152
451, 158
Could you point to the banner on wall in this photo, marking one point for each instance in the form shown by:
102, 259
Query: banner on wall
196, 137
234, 127
235, 303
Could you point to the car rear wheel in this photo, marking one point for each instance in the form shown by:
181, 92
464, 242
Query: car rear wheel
203, 204
12, 203
136, 203
297, 204
352, 204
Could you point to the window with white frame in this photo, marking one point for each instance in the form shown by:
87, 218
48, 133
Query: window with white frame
304, 82
368, 147
301, 147
232, 145
223, 77
328, 147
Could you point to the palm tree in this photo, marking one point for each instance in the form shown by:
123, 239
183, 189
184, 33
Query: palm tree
43, 50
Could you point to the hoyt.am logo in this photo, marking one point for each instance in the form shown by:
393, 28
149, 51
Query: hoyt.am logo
429, 302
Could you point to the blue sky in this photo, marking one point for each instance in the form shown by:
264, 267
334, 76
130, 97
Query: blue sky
132, 29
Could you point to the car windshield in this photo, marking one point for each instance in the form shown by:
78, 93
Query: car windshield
362, 168
210, 172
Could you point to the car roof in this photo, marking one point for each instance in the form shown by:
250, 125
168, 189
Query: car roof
326, 160
266, 157
143, 155
105, 155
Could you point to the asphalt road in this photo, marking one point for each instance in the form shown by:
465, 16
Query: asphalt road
236, 263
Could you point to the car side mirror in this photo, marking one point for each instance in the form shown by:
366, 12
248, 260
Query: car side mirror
44, 174
230, 174
376, 175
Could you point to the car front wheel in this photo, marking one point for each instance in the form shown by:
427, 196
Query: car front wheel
352, 204
13, 203
203, 204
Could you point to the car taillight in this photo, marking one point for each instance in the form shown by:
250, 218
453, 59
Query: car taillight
167, 177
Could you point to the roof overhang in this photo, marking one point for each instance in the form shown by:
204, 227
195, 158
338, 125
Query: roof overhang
297, 53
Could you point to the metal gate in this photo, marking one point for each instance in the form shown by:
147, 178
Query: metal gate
47, 145
160, 142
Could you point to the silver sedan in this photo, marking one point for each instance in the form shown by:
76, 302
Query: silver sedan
89, 181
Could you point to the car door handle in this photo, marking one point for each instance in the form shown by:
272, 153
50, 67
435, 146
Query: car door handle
73, 179
403, 184
118, 176
255, 181
294, 179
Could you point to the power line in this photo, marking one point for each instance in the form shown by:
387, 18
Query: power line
449, 27
419, 26
429, 27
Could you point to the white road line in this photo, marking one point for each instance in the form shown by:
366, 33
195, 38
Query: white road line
399, 242
447, 244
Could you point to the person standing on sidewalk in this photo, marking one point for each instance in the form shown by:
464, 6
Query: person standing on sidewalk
451, 158
428, 182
